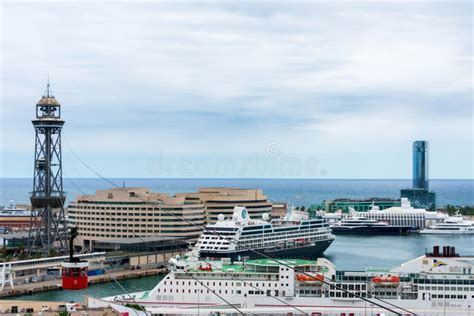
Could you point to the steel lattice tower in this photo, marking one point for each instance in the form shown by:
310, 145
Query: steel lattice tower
47, 198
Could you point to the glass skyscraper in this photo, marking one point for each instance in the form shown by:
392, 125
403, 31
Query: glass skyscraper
420, 165
419, 195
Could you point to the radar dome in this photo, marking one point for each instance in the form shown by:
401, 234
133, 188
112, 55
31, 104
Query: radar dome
220, 217
265, 216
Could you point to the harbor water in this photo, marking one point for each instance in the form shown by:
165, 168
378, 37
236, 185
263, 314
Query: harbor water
347, 252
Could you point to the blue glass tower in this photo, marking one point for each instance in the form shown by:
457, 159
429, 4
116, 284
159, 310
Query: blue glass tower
420, 195
420, 165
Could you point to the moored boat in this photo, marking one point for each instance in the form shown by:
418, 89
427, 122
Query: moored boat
364, 226
454, 225
424, 285
293, 236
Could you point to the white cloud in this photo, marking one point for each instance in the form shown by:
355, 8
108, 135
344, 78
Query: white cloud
319, 73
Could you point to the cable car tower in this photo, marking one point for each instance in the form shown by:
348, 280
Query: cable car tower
48, 228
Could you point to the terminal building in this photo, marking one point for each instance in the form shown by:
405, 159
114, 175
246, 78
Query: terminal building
135, 219
223, 200
419, 194
403, 215
360, 205
111, 219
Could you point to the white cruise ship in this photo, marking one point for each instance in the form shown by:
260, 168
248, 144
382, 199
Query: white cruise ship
290, 237
454, 225
14, 218
433, 284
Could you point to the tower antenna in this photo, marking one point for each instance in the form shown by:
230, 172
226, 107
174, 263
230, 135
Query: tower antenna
48, 92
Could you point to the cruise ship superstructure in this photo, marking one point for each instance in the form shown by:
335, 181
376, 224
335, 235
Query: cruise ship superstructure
290, 237
432, 284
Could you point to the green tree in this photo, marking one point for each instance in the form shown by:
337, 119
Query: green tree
21, 251
451, 210
4, 252
52, 252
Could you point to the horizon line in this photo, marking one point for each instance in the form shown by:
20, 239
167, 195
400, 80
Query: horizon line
243, 178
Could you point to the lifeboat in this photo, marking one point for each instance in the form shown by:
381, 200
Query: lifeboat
309, 278
386, 279
206, 268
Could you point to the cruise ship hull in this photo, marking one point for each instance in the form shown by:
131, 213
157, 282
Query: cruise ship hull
183, 303
367, 230
313, 250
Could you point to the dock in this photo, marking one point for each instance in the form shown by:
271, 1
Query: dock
52, 285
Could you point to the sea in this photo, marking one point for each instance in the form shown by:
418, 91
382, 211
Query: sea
296, 192
347, 252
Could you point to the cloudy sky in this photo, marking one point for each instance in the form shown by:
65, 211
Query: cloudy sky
315, 90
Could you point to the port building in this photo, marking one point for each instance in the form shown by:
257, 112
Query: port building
136, 219
111, 219
399, 215
222, 200
360, 205
403, 215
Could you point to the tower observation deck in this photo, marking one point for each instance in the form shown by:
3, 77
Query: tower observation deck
47, 198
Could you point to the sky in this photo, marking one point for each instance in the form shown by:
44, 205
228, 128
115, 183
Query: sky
241, 89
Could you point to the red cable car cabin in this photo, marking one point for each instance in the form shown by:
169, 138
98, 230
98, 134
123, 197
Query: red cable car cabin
74, 275
74, 271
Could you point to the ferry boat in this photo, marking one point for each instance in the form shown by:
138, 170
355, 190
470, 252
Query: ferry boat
454, 225
293, 236
12, 218
12, 211
432, 284
362, 225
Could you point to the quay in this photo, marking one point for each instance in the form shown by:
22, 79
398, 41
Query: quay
15, 308
52, 285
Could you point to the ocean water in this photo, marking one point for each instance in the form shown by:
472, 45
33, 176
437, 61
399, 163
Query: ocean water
297, 192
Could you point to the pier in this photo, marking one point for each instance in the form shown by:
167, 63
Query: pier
52, 285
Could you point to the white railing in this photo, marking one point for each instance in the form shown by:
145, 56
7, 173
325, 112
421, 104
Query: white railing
52, 261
